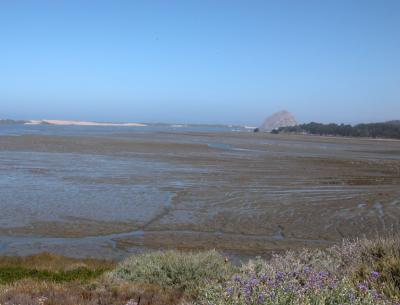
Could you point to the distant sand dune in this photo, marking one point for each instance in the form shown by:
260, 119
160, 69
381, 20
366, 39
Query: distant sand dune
80, 123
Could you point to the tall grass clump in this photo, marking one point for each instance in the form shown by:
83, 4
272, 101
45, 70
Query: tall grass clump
33, 292
187, 272
379, 256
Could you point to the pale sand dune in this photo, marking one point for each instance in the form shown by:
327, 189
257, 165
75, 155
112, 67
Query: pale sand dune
80, 123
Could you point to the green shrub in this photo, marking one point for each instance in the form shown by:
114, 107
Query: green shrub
184, 271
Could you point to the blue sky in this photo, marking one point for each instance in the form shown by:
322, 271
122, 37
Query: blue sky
200, 61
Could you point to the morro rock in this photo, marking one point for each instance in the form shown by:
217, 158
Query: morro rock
279, 119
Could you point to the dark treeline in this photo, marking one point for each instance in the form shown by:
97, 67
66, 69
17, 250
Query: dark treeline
372, 130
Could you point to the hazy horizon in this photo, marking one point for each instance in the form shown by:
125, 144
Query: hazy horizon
256, 124
210, 62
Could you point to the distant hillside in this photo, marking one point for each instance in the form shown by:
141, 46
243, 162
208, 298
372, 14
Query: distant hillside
8, 122
373, 130
277, 120
394, 122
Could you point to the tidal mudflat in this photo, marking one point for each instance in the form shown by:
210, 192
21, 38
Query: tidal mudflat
110, 195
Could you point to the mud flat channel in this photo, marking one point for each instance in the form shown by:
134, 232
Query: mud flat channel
242, 193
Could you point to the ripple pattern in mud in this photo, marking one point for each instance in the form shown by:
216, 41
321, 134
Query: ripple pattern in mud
237, 192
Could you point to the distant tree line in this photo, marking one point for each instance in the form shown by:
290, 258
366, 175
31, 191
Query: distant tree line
372, 130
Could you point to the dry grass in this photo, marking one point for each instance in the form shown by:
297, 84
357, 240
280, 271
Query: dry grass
382, 254
52, 279
54, 262
29, 292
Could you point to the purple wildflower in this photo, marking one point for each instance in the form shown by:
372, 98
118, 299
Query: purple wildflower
247, 291
271, 283
280, 276
362, 287
261, 298
237, 278
253, 282
322, 274
375, 274
376, 295
264, 278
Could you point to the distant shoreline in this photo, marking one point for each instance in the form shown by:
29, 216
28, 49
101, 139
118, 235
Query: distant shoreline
80, 123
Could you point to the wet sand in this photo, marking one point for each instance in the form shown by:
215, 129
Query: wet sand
242, 193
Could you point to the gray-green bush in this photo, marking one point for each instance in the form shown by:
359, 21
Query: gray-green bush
188, 272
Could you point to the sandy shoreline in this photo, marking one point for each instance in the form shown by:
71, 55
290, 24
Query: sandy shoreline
81, 123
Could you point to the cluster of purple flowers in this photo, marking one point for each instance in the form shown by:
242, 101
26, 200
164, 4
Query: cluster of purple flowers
264, 288
369, 283
256, 288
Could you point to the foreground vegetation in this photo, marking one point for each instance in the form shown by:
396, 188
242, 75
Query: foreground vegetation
357, 272
372, 130
49, 267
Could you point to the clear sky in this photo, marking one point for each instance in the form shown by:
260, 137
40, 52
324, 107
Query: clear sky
200, 61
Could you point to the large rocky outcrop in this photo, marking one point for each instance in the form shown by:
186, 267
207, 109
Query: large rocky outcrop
279, 119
